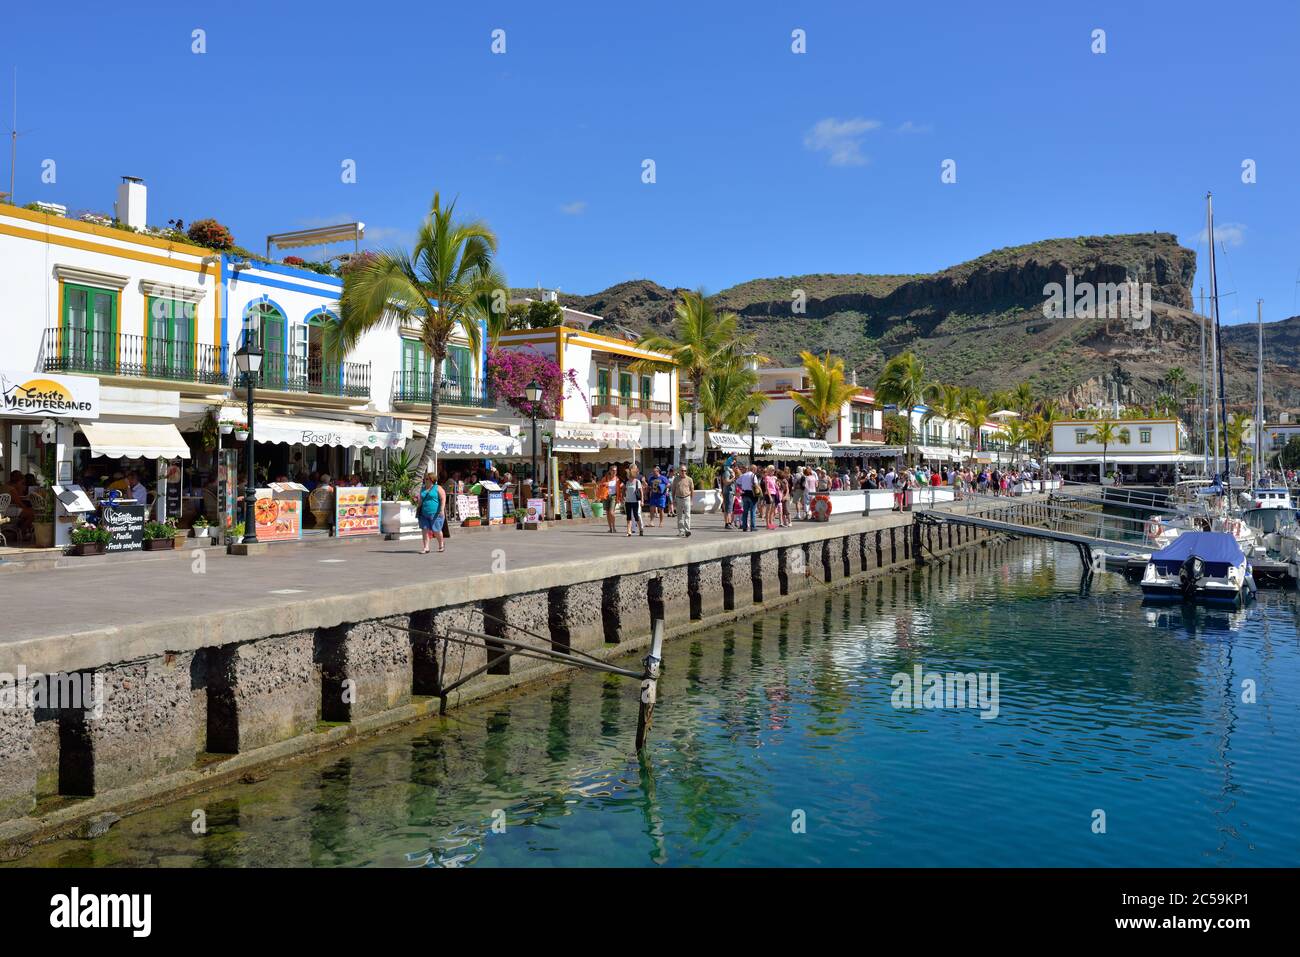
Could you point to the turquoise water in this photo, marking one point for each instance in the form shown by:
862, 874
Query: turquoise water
1103, 705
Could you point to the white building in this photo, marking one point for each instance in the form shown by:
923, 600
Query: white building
1146, 449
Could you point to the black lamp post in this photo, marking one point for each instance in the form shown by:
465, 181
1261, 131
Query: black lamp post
248, 360
753, 427
533, 393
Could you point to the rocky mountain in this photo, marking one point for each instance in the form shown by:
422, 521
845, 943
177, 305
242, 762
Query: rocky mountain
987, 322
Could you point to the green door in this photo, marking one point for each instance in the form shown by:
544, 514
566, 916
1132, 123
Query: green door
169, 339
271, 327
89, 329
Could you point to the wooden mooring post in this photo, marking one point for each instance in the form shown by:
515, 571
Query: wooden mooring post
650, 685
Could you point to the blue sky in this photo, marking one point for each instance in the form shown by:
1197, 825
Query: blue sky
767, 162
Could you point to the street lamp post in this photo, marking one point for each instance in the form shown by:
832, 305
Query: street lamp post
753, 427
248, 360
533, 393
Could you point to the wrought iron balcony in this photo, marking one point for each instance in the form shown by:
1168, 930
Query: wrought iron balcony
868, 435
627, 407
316, 376
417, 387
114, 354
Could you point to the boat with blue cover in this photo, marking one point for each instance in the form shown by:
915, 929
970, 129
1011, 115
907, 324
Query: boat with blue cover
1200, 566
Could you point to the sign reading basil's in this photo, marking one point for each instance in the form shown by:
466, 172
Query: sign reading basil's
39, 395
125, 524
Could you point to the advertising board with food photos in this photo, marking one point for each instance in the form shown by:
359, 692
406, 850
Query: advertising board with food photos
278, 515
358, 510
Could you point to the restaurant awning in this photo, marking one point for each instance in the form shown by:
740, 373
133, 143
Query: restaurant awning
1114, 458
135, 440
473, 443
270, 427
771, 446
580, 437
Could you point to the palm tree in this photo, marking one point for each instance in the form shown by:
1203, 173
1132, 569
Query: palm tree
1022, 398
1016, 432
1234, 433
440, 286
902, 382
1038, 430
728, 395
1176, 378
1109, 433
975, 414
943, 401
822, 404
702, 341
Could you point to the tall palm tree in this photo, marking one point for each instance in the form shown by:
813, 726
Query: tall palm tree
1234, 433
944, 402
902, 383
439, 286
1016, 432
1108, 434
1022, 398
1038, 430
975, 414
822, 404
1176, 378
728, 395
701, 341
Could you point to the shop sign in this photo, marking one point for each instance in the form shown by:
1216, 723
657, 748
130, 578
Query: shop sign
38, 395
125, 524
358, 510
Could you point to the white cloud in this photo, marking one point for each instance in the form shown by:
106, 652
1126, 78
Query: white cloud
1225, 234
910, 127
841, 139
576, 208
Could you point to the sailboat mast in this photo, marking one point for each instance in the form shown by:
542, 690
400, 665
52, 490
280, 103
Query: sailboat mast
1221, 410
1202, 400
1259, 392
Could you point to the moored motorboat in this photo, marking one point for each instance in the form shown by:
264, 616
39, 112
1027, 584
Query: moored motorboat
1199, 566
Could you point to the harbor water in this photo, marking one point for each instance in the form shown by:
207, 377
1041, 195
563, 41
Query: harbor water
1096, 732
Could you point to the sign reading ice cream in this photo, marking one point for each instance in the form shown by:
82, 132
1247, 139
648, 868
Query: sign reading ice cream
38, 395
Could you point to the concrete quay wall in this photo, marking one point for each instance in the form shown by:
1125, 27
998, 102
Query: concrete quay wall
191, 703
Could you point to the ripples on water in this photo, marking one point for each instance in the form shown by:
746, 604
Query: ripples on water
1104, 705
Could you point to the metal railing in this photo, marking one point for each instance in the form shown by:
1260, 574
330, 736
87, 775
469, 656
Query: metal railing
116, 354
412, 386
623, 407
316, 376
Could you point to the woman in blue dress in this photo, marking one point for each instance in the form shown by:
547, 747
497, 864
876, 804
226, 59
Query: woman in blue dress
658, 496
431, 513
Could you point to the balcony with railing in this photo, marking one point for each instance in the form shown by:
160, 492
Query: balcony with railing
628, 407
139, 357
315, 376
412, 386
867, 435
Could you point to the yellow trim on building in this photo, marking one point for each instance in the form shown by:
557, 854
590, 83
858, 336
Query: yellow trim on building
68, 241
60, 222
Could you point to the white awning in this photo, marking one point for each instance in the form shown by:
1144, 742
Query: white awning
472, 443
135, 440
580, 437
1114, 458
301, 430
771, 446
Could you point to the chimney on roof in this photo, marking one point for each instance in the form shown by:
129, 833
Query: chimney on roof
129, 209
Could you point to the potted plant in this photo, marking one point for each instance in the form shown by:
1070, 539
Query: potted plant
705, 498
398, 485
235, 533
158, 536
202, 528
179, 534
471, 522
241, 431
88, 540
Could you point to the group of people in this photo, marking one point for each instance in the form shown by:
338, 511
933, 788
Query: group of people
650, 499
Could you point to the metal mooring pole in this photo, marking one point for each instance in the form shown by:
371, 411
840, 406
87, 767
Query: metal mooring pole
650, 685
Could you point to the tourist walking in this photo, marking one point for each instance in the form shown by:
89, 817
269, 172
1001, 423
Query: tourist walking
727, 479
634, 493
683, 488
658, 486
747, 483
771, 497
431, 515
607, 492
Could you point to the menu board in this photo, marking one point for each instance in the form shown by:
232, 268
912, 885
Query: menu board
174, 476
466, 506
579, 505
278, 515
358, 510
536, 511
226, 491
125, 524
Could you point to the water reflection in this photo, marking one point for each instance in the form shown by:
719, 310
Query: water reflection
1104, 704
